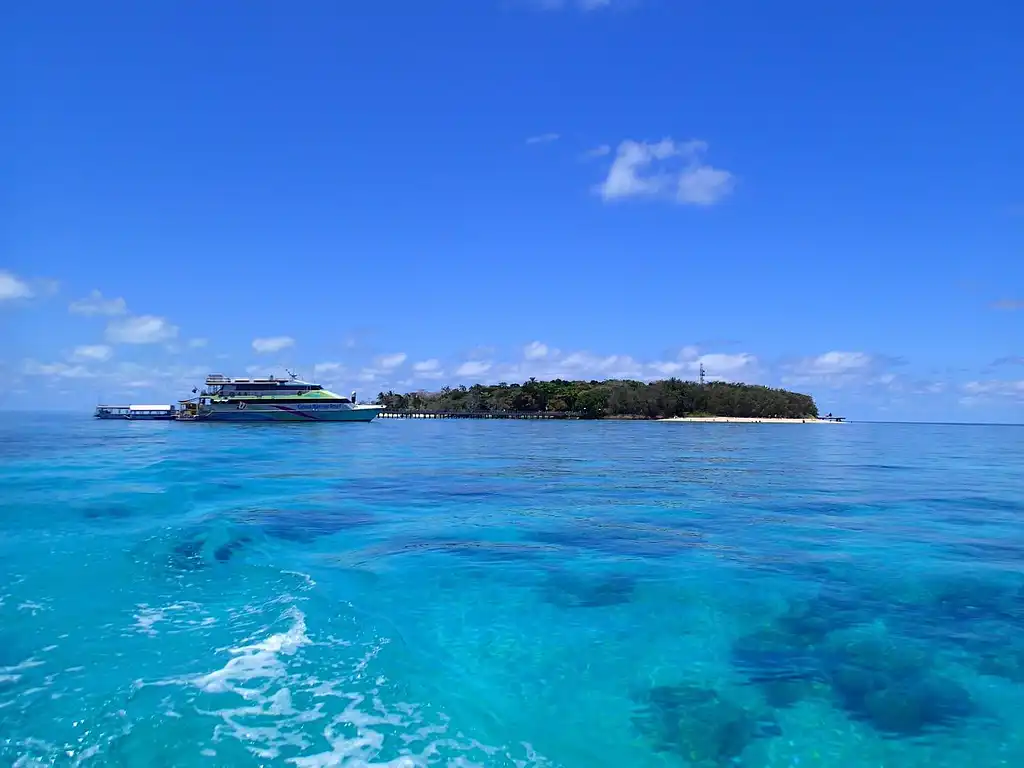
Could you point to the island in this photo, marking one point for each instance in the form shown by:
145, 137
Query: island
669, 399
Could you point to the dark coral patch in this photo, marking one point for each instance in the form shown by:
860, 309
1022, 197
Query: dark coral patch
700, 725
226, 551
631, 540
307, 525
596, 591
770, 655
779, 664
187, 555
108, 512
810, 621
890, 683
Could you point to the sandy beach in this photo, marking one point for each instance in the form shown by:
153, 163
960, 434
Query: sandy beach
746, 420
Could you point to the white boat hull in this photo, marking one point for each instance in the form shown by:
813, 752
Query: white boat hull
265, 412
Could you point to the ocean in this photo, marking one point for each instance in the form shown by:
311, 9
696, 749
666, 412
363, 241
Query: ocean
473, 593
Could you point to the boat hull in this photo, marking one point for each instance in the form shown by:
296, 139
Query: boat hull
266, 412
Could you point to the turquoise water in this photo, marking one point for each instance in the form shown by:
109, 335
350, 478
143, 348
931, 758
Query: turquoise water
510, 594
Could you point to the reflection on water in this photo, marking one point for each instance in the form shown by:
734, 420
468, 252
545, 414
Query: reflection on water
418, 593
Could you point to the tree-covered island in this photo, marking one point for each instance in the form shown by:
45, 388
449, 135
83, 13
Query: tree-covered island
613, 399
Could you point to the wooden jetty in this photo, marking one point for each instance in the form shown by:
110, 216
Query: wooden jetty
414, 414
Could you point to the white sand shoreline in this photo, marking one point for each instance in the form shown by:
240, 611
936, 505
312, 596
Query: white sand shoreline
747, 420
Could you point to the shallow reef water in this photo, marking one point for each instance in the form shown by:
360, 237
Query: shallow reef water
510, 594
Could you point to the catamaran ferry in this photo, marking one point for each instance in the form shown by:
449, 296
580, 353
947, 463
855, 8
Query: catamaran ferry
272, 399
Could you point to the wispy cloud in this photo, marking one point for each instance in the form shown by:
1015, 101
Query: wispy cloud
13, 287
544, 138
390, 362
995, 388
272, 344
329, 372
668, 170
1008, 304
835, 364
473, 368
583, 5
541, 361
98, 352
140, 329
602, 151
63, 370
846, 369
1008, 360
427, 369
96, 304
536, 350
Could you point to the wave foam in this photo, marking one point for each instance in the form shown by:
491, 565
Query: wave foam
284, 690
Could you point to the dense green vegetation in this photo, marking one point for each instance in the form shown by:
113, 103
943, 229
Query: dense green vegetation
613, 399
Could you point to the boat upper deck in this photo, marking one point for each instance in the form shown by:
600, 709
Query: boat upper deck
218, 380
229, 389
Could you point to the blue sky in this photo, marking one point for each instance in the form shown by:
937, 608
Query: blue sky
400, 195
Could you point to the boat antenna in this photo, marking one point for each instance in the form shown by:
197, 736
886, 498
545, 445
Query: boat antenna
288, 370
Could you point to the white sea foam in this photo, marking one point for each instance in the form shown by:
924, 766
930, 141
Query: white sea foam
148, 617
281, 698
260, 660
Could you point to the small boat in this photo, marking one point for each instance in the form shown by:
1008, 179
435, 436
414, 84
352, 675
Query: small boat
137, 412
272, 399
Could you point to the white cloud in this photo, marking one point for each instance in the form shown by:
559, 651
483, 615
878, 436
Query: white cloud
536, 350
703, 185
609, 366
602, 151
577, 365
140, 329
542, 362
995, 388
196, 343
96, 304
473, 368
544, 138
35, 368
427, 366
272, 344
390, 362
835, 363
328, 369
428, 369
665, 169
718, 366
841, 369
98, 352
12, 287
